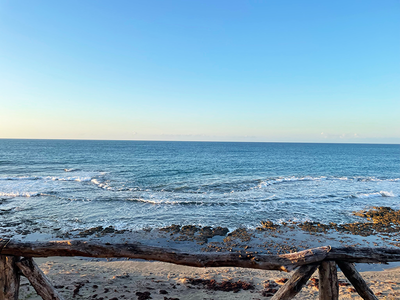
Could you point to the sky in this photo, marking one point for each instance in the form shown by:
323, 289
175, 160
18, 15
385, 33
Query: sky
260, 71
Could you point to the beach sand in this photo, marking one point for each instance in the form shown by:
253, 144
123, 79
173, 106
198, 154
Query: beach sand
77, 279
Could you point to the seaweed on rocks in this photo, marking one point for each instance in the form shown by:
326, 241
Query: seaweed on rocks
90, 231
100, 231
173, 229
381, 215
221, 231
381, 220
268, 225
241, 233
195, 233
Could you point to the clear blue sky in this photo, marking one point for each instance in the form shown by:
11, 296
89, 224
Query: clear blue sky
295, 71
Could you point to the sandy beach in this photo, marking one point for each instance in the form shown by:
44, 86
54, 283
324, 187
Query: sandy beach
77, 279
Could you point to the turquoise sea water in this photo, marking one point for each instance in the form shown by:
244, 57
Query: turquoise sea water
66, 184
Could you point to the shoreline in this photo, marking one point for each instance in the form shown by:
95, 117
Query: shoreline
76, 279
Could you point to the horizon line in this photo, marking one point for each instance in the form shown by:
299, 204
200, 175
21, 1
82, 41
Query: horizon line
192, 141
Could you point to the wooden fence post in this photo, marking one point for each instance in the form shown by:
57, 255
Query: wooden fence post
9, 278
39, 281
294, 285
357, 281
328, 281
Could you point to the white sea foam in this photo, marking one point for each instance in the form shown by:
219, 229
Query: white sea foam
289, 179
71, 170
394, 179
376, 194
387, 194
30, 186
157, 201
73, 178
20, 178
101, 184
279, 180
54, 178
19, 194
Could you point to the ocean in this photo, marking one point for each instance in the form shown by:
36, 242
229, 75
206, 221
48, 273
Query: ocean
67, 185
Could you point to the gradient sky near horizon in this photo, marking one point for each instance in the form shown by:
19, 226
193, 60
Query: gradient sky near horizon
267, 71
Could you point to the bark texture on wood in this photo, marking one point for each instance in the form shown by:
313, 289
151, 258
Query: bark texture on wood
357, 281
9, 278
364, 254
328, 281
294, 285
284, 262
39, 281
260, 261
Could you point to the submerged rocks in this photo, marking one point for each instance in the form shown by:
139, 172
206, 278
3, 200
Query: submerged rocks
381, 220
173, 229
90, 231
100, 231
241, 233
267, 225
381, 215
221, 231
194, 233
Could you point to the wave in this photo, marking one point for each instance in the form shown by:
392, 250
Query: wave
374, 195
279, 180
228, 187
72, 170
374, 179
21, 178
72, 178
171, 202
32, 186
20, 194
82, 178
104, 185
289, 179
54, 178
185, 202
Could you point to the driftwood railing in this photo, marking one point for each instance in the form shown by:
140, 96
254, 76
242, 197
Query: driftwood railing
16, 258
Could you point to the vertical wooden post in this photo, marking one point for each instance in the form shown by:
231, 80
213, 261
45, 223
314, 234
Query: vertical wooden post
328, 281
356, 280
39, 281
9, 278
294, 285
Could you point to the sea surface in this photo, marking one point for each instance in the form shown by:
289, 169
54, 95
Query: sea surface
70, 184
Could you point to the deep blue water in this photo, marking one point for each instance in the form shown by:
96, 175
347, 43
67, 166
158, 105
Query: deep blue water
135, 184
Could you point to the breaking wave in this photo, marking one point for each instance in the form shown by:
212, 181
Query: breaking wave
32, 186
72, 170
19, 194
374, 195
20, 178
53, 178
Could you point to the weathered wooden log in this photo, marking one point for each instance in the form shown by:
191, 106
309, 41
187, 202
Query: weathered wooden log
9, 278
294, 285
38, 280
357, 281
364, 255
284, 262
137, 250
328, 281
